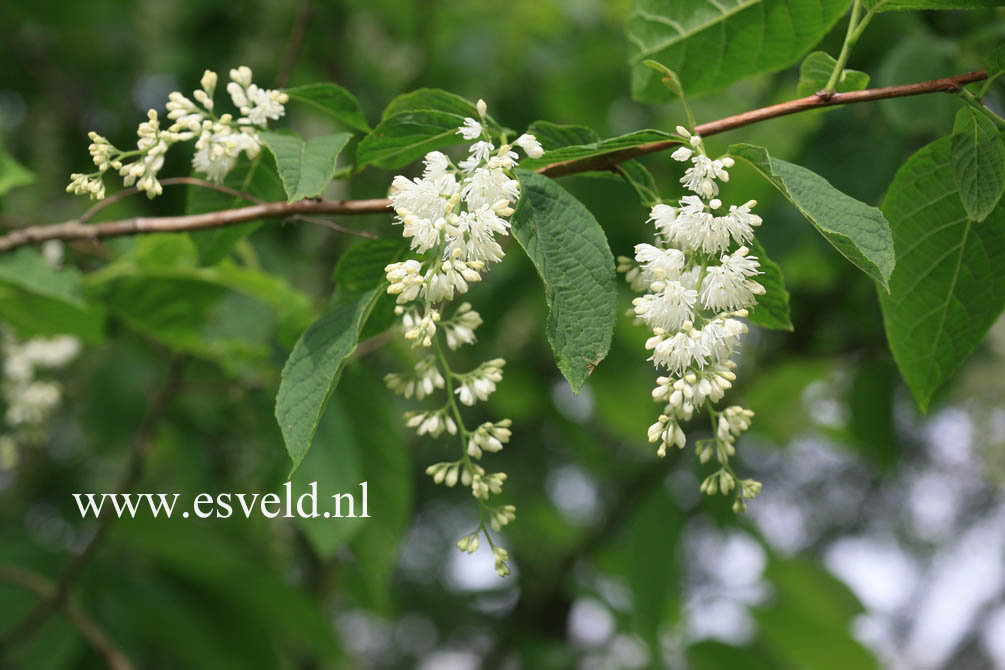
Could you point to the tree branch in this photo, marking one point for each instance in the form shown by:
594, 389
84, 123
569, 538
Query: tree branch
76, 230
93, 633
59, 595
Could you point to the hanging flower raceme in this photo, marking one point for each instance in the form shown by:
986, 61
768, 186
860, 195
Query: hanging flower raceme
699, 280
453, 216
219, 140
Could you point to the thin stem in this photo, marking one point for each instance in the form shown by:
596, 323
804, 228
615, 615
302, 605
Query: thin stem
74, 230
334, 226
849, 42
974, 103
169, 181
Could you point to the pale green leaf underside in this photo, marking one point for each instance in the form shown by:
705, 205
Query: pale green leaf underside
26, 269
949, 286
978, 157
305, 167
815, 72
569, 249
713, 43
12, 173
314, 367
333, 100
859, 232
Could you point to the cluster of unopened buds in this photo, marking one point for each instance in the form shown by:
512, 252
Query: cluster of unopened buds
453, 215
699, 281
219, 139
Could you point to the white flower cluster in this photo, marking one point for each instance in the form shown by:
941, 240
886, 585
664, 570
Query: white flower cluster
699, 281
219, 139
453, 215
30, 401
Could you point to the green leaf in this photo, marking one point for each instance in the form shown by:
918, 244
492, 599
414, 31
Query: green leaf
256, 177
569, 249
415, 124
599, 147
891, 5
387, 470
557, 135
334, 466
33, 315
949, 287
995, 64
978, 156
12, 173
313, 369
815, 72
361, 267
26, 269
859, 232
334, 101
772, 309
715, 655
916, 58
713, 44
305, 167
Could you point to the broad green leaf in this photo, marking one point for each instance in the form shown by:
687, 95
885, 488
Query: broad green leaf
554, 136
859, 232
569, 249
891, 5
386, 469
32, 314
978, 156
334, 101
361, 267
715, 655
12, 173
305, 167
815, 72
315, 365
949, 287
712, 44
772, 309
26, 269
598, 148
996, 63
334, 465
256, 177
415, 124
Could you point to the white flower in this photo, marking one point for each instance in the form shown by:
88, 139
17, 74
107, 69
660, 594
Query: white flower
471, 130
488, 186
660, 263
682, 154
54, 352
460, 329
472, 236
242, 76
668, 309
720, 337
741, 223
489, 437
405, 280
530, 145
420, 329
481, 382
437, 165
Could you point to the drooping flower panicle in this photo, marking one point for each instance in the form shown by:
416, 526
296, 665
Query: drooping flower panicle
219, 140
698, 279
453, 216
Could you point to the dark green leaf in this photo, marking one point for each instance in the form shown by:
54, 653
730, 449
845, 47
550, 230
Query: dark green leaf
598, 148
916, 58
948, 288
256, 177
772, 309
569, 249
815, 72
334, 101
314, 367
305, 167
361, 267
712, 44
978, 156
859, 232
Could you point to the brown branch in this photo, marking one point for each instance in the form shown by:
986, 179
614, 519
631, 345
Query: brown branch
169, 181
93, 633
142, 443
75, 230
